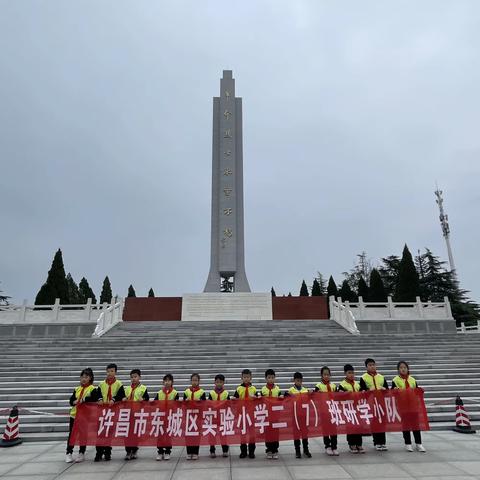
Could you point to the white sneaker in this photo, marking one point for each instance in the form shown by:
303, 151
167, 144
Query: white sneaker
269, 455
225, 454
408, 448
68, 458
160, 456
329, 451
80, 458
421, 448
166, 456
275, 456
384, 448
378, 448
194, 457
335, 452
189, 456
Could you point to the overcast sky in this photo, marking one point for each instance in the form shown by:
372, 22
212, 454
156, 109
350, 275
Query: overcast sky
352, 111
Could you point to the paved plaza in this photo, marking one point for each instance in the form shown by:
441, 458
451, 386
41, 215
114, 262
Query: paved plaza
450, 456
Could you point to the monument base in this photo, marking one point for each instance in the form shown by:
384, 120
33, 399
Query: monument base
226, 306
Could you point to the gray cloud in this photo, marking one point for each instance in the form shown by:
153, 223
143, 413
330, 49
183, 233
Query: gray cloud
351, 112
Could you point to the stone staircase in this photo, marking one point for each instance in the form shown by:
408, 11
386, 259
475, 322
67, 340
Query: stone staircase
38, 373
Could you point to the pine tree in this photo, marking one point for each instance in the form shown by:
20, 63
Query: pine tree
106, 295
56, 284
304, 289
272, 291
346, 293
74, 297
151, 293
289, 294
322, 283
377, 290
389, 273
361, 269
332, 288
408, 286
131, 292
3, 298
316, 291
85, 291
363, 290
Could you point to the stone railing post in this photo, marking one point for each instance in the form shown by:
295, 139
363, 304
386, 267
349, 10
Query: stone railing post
56, 310
419, 307
361, 307
23, 312
390, 307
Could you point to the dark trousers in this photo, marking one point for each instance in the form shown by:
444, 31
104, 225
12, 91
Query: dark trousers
107, 451
251, 448
379, 438
354, 440
417, 436
271, 447
330, 442
193, 449
83, 448
162, 450
224, 448
131, 449
296, 443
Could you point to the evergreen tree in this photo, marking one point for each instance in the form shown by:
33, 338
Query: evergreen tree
106, 295
408, 286
389, 273
289, 294
332, 288
377, 290
151, 293
363, 290
56, 284
304, 289
131, 292
74, 297
3, 298
347, 293
321, 283
272, 291
85, 291
361, 269
316, 291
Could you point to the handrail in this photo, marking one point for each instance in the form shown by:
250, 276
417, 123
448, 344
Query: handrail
343, 315
109, 317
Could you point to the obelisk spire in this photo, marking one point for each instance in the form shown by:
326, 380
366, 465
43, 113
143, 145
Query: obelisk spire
227, 261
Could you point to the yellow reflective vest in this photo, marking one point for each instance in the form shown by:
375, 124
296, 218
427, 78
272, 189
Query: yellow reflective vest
171, 395
103, 386
295, 391
348, 387
401, 383
87, 391
271, 392
223, 395
322, 387
246, 392
197, 395
373, 383
137, 393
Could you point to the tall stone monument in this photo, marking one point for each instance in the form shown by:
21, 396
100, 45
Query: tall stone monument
227, 260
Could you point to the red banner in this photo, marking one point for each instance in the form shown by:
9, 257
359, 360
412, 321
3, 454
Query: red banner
242, 421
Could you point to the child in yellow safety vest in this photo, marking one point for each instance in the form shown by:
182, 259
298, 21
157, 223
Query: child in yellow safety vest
298, 389
219, 394
405, 381
271, 389
191, 394
81, 394
136, 392
108, 392
372, 380
166, 393
243, 392
349, 384
325, 386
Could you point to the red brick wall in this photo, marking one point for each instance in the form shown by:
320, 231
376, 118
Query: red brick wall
300, 308
152, 308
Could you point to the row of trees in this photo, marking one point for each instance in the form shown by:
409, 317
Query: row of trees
63, 286
404, 278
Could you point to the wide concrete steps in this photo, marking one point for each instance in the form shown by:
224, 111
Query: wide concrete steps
38, 373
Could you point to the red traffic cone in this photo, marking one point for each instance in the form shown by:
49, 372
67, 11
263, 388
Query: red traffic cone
10, 437
462, 420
